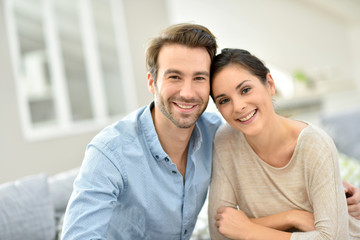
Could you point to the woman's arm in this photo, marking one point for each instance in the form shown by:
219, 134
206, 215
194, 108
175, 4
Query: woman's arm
325, 190
301, 220
222, 194
234, 224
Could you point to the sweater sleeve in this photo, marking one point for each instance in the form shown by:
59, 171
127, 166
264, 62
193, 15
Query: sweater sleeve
221, 194
326, 193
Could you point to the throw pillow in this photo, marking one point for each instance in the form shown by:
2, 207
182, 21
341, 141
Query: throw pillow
26, 210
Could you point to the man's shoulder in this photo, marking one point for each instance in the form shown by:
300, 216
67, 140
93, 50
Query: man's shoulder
208, 124
211, 118
120, 132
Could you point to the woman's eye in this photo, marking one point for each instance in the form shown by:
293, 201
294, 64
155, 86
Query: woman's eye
245, 90
223, 101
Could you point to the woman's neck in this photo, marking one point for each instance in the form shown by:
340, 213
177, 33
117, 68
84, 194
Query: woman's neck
277, 141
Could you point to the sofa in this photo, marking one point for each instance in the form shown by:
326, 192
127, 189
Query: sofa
344, 128
32, 207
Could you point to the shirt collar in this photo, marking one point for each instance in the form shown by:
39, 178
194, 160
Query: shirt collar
152, 139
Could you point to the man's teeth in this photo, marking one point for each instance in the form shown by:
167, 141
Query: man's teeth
185, 106
247, 117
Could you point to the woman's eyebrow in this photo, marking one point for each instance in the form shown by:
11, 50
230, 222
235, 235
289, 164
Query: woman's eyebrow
218, 96
240, 84
237, 87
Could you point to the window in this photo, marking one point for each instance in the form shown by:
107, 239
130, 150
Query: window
72, 64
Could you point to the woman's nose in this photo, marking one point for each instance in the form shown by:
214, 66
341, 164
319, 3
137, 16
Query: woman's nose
238, 104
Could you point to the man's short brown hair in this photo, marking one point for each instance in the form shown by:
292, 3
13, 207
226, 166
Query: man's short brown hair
190, 35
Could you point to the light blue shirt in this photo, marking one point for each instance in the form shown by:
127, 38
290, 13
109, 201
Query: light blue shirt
128, 187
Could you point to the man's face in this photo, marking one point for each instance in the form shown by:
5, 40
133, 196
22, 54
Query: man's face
183, 85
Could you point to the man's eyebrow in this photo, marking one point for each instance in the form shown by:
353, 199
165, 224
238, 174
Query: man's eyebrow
171, 71
237, 87
174, 71
202, 73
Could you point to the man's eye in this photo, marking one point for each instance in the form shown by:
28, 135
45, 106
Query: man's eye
174, 77
199, 78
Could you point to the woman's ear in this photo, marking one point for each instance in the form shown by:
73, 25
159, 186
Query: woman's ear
271, 83
151, 83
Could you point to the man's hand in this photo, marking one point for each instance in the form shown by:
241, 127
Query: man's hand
353, 199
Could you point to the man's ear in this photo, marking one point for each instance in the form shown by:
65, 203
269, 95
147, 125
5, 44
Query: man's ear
151, 83
271, 83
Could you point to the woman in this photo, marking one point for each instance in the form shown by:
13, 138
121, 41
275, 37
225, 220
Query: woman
273, 177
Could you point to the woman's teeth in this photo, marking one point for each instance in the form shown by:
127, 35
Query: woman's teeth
248, 116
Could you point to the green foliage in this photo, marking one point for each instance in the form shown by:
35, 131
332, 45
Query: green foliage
349, 169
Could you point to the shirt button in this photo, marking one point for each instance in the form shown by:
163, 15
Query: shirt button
185, 231
157, 156
174, 172
166, 159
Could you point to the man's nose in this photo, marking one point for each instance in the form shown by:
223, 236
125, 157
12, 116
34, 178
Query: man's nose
187, 89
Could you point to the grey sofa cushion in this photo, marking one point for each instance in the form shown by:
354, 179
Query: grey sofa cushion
61, 186
344, 128
26, 210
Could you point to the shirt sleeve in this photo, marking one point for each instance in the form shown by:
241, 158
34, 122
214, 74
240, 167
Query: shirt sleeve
95, 193
326, 195
221, 194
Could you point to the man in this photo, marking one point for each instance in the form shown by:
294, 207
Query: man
146, 177
353, 200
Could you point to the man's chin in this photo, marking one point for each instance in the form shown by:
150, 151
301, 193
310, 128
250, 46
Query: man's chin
184, 124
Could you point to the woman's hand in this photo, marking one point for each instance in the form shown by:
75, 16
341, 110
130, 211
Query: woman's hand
301, 220
232, 223
353, 199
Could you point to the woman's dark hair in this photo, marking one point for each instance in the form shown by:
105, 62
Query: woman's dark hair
239, 57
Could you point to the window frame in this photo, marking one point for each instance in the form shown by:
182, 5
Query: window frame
64, 125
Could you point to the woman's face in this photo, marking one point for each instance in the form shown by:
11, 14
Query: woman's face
243, 100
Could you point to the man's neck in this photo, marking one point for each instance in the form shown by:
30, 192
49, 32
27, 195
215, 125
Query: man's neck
174, 141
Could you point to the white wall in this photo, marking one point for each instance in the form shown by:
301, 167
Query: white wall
20, 157
287, 34
355, 45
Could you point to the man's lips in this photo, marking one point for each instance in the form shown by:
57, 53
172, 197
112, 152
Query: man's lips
185, 106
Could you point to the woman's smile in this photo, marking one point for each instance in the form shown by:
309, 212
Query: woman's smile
249, 117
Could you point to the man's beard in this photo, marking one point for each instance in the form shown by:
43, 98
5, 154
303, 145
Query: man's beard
180, 122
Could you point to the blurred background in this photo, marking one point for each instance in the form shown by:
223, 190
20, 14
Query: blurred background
68, 68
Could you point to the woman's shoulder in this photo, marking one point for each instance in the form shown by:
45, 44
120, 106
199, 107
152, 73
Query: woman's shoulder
314, 133
226, 133
314, 137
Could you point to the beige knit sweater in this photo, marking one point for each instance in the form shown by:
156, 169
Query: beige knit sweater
310, 181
